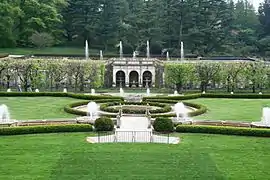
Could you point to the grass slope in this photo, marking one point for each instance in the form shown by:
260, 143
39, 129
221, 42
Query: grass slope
23, 108
49, 50
69, 157
232, 109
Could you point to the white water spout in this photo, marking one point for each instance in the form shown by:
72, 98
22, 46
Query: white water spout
36, 90
168, 56
86, 50
93, 92
65, 90
175, 93
121, 50
9, 90
92, 109
148, 92
122, 92
180, 110
134, 55
100, 55
182, 51
147, 49
4, 114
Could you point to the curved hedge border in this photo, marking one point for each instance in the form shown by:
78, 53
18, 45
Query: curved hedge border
200, 109
223, 130
107, 107
69, 108
46, 129
4, 55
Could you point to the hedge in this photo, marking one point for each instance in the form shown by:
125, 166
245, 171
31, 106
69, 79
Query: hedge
162, 124
4, 55
59, 94
236, 96
107, 107
104, 124
185, 97
45, 129
200, 109
69, 108
223, 130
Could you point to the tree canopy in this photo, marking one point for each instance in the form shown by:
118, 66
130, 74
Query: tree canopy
207, 27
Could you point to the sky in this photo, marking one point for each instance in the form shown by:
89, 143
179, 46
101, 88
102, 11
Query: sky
256, 3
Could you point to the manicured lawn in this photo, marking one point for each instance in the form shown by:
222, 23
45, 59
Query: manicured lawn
232, 109
51, 50
23, 108
69, 157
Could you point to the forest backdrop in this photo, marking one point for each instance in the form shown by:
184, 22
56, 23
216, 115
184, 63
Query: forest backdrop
207, 27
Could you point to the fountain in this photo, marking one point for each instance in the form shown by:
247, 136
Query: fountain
36, 90
134, 55
92, 109
181, 110
203, 92
65, 90
265, 120
175, 93
93, 92
148, 92
100, 55
4, 114
9, 90
86, 50
121, 50
147, 49
182, 51
167, 56
121, 92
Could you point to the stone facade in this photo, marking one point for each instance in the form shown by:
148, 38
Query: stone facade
134, 72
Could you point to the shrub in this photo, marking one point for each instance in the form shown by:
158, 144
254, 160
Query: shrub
162, 124
104, 124
45, 129
179, 98
237, 96
41, 40
223, 130
4, 55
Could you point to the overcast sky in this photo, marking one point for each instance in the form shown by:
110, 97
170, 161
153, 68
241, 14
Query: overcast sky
256, 3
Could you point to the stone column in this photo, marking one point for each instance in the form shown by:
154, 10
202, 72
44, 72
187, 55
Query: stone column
153, 78
114, 78
127, 78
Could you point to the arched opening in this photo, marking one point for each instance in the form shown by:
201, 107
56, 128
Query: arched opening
134, 79
147, 79
120, 79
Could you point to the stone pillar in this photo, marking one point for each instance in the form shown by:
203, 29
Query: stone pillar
127, 78
153, 78
114, 78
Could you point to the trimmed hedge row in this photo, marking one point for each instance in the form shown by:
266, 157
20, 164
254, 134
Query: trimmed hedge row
200, 109
69, 108
46, 129
107, 107
237, 96
185, 97
59, 94
4, 55
223, 130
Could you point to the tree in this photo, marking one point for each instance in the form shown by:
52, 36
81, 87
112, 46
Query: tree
178, 75
208, 73
42, 40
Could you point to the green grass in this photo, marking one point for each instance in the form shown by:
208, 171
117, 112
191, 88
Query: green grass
23, 108
69, 157
232, 109
51, 50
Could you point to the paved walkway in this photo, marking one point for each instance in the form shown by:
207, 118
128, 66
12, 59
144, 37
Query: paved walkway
134, 130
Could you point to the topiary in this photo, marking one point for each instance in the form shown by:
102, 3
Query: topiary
162, 124
104, 124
